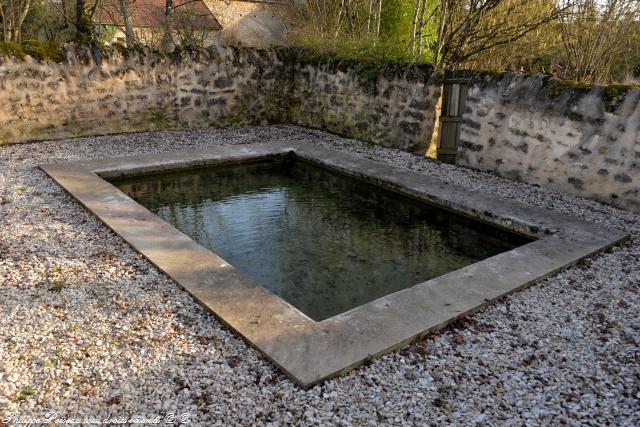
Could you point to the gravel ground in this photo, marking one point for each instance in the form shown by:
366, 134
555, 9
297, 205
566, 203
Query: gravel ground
88, 328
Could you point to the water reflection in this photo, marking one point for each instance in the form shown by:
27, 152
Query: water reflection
321, 241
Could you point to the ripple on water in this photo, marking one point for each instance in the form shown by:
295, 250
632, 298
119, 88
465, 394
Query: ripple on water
323, 242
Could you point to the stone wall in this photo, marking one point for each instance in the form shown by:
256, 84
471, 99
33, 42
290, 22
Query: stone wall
574, 138
396, 108
100, 92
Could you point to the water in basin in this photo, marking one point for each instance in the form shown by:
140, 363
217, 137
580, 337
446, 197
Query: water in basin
323, 242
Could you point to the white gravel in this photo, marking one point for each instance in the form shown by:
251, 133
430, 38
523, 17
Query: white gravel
88, 328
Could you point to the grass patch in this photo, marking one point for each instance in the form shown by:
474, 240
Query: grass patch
58, 286
24, 394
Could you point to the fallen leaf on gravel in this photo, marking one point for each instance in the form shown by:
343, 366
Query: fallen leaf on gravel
233, 360
115, 400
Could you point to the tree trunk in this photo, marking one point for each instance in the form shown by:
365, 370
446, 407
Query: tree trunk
375, 40
421, 24
412, 43
13, 15
83, 29
125, 10
339, 19
369, 17
438, 53
167, 39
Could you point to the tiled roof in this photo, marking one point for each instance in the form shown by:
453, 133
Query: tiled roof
150, 13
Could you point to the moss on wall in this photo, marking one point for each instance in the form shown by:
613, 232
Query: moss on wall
126, 52
366, 70
557, 88
614, 94
616, 90
42, 51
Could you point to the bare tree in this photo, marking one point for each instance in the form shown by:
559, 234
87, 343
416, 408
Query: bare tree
51, 26
193, 28
415, 26
369, 14
120, 13
378, 17
57, 23
13, 14
594, 34
419, 26
79, 15
468, 27
335, 18
339, 18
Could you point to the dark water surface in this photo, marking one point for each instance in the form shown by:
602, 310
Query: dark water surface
323, 242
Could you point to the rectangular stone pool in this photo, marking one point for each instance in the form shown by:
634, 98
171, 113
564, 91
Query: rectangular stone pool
321, 259
323, 242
